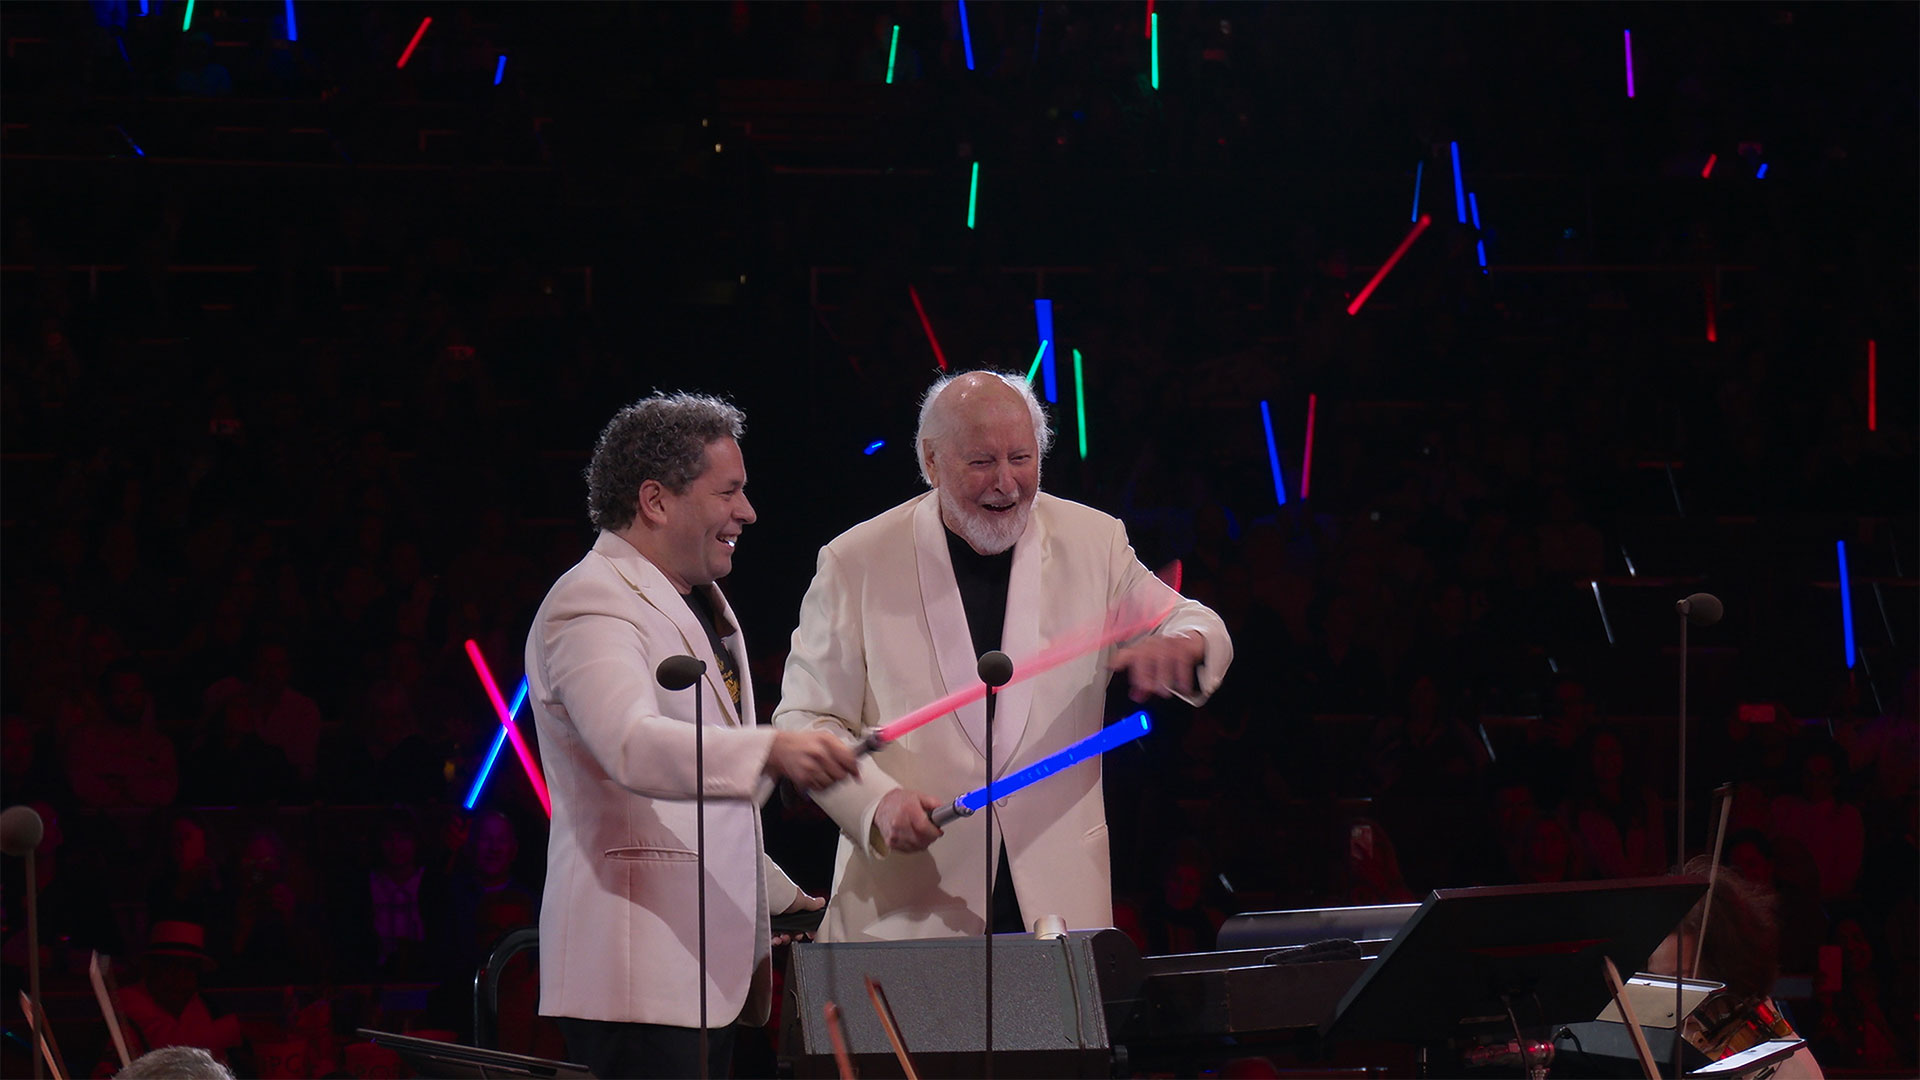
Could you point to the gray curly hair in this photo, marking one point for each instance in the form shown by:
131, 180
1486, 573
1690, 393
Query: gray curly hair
662, 437
937, 424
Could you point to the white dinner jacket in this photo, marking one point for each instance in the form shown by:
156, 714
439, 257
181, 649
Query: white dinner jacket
882, 631
618, 926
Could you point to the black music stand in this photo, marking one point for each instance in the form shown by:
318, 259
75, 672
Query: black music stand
1469, 955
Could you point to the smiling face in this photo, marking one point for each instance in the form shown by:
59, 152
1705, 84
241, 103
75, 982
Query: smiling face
986, 465
696, 529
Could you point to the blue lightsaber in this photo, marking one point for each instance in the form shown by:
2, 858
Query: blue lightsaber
499, 739
1122, 731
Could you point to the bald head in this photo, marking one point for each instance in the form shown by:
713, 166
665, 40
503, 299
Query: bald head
981, 439
958, 403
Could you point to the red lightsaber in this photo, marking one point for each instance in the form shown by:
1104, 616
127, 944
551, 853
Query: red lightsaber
1412, 235
1068, 648
506, 719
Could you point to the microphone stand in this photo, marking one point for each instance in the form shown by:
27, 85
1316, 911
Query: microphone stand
700, 852
1680, 852
678, 673
1705, 609
38, 1020
995, 670
992, 864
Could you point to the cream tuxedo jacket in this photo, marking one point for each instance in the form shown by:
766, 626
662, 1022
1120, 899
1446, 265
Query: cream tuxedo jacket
882, 631
619, 923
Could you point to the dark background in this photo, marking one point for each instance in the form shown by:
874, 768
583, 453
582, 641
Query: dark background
305, 352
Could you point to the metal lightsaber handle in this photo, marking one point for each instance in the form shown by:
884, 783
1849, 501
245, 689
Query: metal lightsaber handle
949, 814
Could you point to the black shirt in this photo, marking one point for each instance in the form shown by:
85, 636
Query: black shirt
701, 601
983, 581
983, 590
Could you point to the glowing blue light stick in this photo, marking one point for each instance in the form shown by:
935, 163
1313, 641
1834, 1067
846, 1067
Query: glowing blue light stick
1116, 734
1473, 203
1419, 169
1273, 455
293, 33
1762, 174
1846, 606
1043, 317
1459, 188
500, 69
499, 740
874, 447
966, 35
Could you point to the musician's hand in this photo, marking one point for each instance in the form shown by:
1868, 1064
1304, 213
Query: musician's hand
1159, 666
805, 902
811, 759
902, 822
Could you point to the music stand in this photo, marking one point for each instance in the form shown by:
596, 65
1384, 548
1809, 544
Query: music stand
1469, 955
429, 1057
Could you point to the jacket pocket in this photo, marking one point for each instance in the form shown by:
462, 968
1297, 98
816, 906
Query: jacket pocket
650, 854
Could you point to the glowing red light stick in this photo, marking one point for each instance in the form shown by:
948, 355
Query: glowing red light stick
1873, 387
1708, 169
1713, 332
1412, 235
928, 327
1149, 33
411, 45
1068, 648
1306, 459
506, 718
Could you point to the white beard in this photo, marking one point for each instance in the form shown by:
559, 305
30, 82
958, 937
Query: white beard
986, 533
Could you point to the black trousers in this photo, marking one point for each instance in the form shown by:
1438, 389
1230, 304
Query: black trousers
615, 1050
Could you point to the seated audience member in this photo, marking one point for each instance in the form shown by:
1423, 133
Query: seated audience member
1177, 919
232, 765
186, 883
1617, 816
1852, 1029
273, 915
1829, 829
287, 719
122, 759
394, 917
488, 900
1551, 855
165, 1007
1373, 867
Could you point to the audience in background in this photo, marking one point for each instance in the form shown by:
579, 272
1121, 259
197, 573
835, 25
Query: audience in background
253, 517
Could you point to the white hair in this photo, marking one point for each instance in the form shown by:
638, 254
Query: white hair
935, 426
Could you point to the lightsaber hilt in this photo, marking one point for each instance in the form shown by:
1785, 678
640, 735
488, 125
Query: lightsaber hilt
874, 741
950, 813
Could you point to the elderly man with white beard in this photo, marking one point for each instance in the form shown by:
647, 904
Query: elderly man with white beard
900, 609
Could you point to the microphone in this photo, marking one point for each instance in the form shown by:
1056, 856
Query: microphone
20, 830
1701, 609
680, 672
995, 668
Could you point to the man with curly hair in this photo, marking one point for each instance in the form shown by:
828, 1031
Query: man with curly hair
620, 919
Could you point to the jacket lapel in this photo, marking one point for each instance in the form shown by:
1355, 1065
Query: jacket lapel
652, 587
1020, 637
947, 617
953, 645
